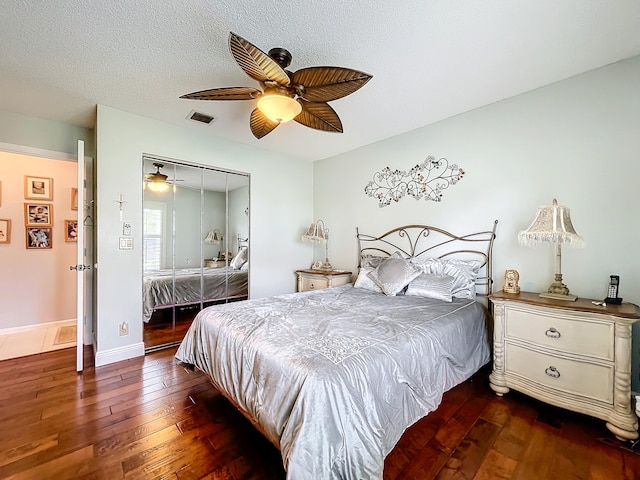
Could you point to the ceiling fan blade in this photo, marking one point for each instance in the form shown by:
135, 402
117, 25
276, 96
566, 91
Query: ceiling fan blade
323, 84
225, 93
255, 63
320, 116
261, 125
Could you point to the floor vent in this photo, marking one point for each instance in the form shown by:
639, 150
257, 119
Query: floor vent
200, 117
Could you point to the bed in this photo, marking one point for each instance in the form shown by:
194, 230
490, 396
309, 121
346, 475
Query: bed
334, 377
187, 286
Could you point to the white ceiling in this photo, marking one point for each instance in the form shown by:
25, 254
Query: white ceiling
430, 59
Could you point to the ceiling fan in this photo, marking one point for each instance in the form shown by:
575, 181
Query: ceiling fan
158, 182
301, 96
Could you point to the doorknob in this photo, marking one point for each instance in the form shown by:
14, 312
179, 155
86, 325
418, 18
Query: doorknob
80, 267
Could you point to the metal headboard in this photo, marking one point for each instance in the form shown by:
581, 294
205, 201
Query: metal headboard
242, 242
426, 241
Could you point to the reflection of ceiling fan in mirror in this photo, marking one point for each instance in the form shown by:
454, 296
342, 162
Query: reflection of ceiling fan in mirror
301, 96
158, 182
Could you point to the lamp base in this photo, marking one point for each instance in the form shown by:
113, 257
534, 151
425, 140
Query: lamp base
558, 290
558, 296
326, 266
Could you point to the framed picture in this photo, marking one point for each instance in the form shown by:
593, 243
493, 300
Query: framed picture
39, 237
0, 194
5, 230
38, 188
74, 199
38, 214
70, 230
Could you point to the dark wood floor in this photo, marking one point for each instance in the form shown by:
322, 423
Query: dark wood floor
149, 418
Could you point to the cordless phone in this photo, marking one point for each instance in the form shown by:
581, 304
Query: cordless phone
612, 291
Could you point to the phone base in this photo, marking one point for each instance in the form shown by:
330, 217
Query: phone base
613, 301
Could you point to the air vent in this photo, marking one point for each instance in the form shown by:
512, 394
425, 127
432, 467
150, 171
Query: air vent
200, 117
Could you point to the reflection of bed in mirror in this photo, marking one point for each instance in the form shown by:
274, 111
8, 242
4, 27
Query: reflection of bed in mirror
181, 287
191, 249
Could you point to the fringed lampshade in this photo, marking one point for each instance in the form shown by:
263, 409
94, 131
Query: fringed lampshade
553, 225
317, 233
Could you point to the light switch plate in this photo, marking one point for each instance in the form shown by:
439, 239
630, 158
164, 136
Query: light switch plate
126, 243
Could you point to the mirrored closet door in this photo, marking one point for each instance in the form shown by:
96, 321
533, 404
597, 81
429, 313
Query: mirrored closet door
195, 245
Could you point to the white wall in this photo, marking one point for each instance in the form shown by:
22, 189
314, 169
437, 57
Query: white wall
281, 205
44, 134
36, 285
577, 140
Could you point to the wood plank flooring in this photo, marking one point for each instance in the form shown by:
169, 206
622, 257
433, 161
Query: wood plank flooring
149, 418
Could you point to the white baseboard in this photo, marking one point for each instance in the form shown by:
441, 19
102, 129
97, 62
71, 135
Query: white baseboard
113, 355
37, 326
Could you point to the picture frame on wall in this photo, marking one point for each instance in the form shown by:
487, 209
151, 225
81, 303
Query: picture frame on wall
70, 230
5, 230
39, 237
38, 214
74, 199
0, 194
38, 188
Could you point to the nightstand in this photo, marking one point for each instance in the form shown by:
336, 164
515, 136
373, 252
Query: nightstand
318, 279
574, 355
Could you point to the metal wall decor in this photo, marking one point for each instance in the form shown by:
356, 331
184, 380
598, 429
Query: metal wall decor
426, 180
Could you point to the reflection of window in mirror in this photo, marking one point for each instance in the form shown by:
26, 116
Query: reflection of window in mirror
153, 219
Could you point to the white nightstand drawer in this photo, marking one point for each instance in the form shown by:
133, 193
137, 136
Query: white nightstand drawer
564, 374
580, 336
314, 283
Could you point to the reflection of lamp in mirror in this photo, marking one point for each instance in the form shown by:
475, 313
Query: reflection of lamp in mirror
317, 233
213, 237
553, 225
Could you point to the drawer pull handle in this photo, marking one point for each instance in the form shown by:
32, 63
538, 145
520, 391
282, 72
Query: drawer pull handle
552, 333
552, 372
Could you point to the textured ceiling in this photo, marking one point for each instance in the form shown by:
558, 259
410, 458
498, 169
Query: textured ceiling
430, 59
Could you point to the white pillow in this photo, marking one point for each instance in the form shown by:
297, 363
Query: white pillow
372, 260
431, 286
464, 273
394, 273
240, 259
363, 280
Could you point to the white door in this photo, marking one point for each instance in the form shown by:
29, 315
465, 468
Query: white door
81, 257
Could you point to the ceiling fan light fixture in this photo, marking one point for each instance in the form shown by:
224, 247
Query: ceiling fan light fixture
279, 108
157, 181
158, 186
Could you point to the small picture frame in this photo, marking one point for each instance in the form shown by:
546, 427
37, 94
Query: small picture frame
39, 237
38, 188
74, 199
5, 230
38, 214
0, 194
70, 230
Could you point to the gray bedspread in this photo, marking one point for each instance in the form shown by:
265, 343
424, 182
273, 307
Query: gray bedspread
335, 376
161, 291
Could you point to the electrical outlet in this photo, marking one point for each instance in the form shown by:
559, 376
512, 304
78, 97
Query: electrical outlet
124, 329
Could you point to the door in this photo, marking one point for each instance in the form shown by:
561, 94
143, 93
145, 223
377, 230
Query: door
80, 265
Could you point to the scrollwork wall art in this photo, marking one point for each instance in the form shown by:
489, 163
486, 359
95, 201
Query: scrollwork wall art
426, 180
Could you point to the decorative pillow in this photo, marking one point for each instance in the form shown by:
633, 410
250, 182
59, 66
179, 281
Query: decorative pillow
244, 267
464, 273
363, 280
240, 259
431, 286
394, 273
372, 260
